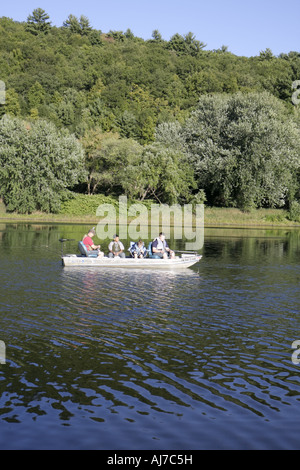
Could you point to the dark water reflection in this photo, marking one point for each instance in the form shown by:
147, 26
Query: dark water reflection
199, 359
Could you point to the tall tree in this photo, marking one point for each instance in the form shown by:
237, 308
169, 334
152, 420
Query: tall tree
164, 174
36, 95
156, 35
111, 161
78, 26
12, 103
187, 44
72, 23
85, 25
245, 150
38, 22
38, 164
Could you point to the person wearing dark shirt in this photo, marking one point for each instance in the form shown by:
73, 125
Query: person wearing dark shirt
161, 248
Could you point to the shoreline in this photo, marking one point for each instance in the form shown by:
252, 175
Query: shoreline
213, 217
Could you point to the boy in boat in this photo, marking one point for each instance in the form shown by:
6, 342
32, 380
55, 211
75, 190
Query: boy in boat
116, 248
138, 249
90, 246
161, 248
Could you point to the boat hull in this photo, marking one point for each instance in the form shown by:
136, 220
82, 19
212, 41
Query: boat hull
146, 263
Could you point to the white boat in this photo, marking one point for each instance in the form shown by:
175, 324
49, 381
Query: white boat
152, 262
184, 261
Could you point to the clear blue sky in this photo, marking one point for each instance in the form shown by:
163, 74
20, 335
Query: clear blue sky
245, 27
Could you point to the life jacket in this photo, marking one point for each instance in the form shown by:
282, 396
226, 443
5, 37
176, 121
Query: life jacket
116, 247
161, 244
137, 248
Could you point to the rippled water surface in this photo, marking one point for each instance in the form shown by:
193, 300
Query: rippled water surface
199, 359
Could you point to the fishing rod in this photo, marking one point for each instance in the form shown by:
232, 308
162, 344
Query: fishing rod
189, 252
62, 240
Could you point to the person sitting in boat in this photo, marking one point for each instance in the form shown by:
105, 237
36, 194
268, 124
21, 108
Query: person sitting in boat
138, 249
89, 244
161, 248
116, 248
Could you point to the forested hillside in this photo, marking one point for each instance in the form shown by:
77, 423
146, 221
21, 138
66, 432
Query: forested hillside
127, 100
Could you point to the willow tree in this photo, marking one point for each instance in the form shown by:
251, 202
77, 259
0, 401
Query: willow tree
245, 149
164, 175
38, 165
109, 161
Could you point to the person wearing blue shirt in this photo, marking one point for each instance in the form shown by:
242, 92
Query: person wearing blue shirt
138, 249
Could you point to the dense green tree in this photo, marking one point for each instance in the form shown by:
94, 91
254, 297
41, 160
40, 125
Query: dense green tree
128, 125
122, 166
266, 54
245, 149
193, 45
72, 23
85, 25
12, 103
92, 142
117, 35
157, 36
109, 161
170, 134
36, 95
38, 22
129, 34
95, 38
187, 44
78, 26
165, 175
38, 164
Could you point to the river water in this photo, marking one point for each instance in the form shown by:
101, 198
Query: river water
199, 359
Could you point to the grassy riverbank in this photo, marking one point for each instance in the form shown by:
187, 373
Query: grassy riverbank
80, 212
216, 216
